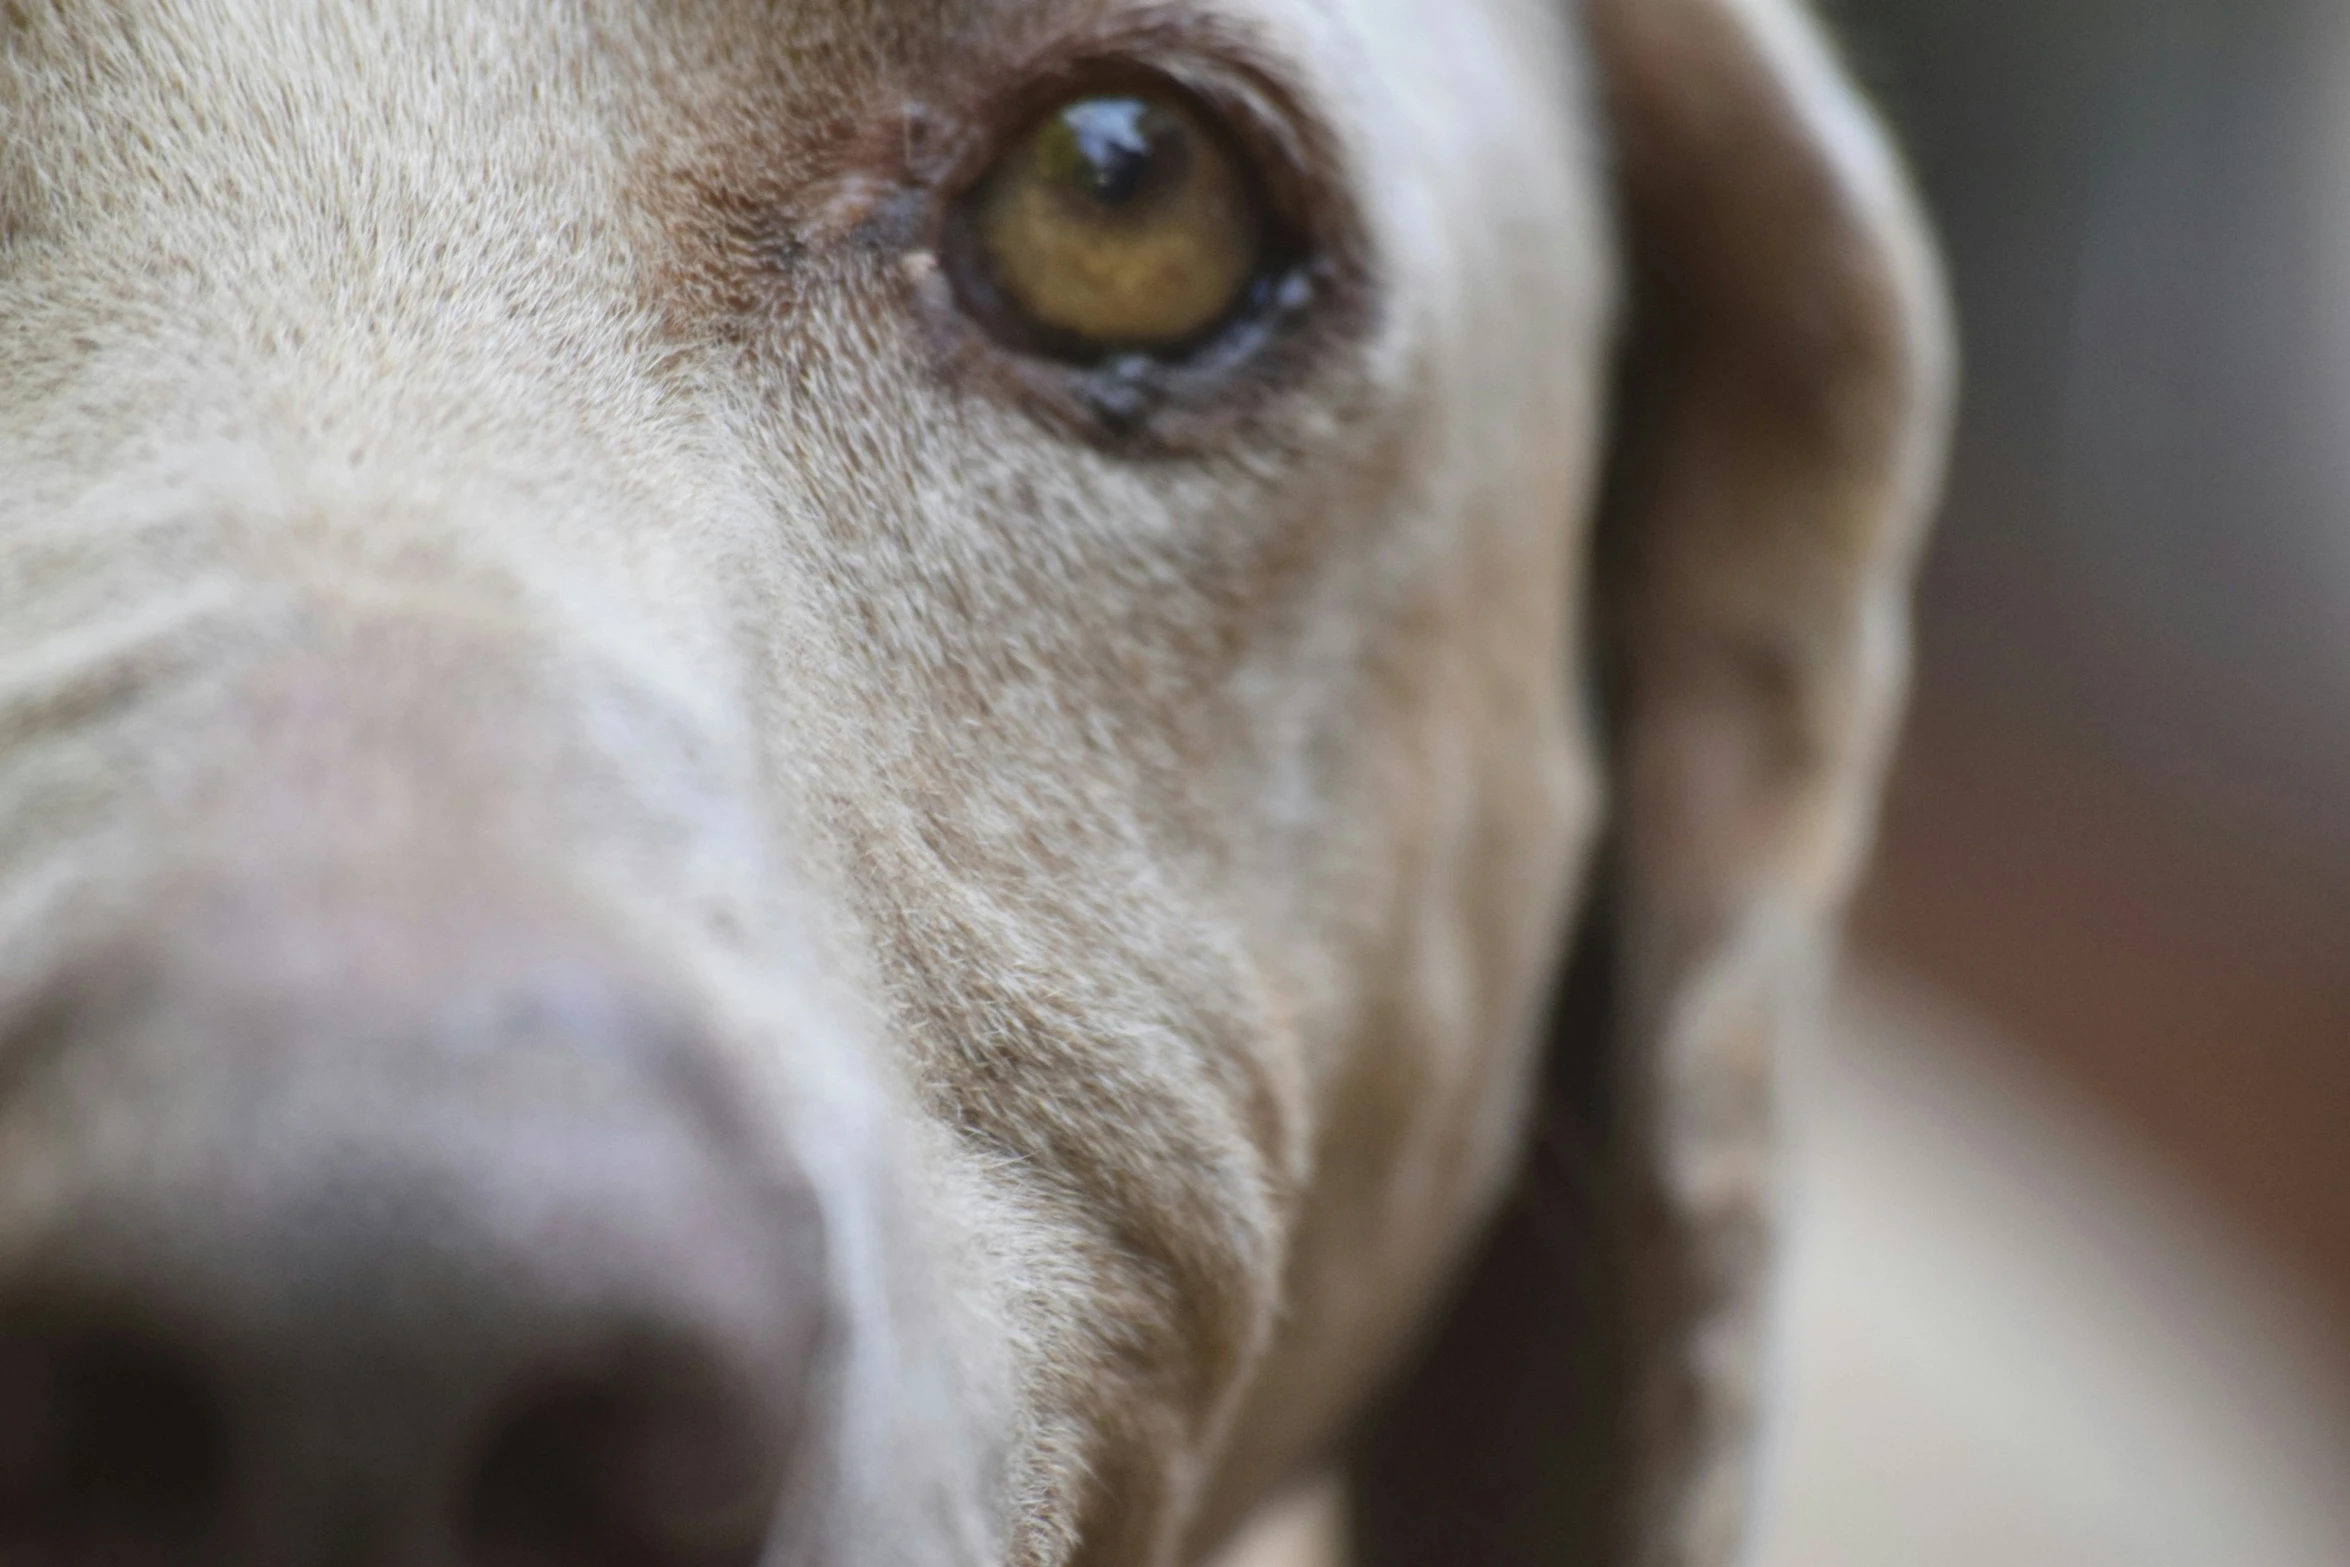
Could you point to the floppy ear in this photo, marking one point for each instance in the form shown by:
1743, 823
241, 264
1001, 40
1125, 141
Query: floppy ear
1592, 1398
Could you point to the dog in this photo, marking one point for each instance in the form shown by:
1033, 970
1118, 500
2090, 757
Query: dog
923, 782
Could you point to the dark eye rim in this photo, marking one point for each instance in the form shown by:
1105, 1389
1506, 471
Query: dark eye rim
1283, 255
1140, 405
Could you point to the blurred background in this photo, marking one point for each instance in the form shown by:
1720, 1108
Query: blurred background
2078, 1283
2071, 1283
2122, 829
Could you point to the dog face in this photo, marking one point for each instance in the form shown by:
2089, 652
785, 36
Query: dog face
801, 782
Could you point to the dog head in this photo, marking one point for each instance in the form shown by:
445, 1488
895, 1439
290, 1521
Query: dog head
802, 782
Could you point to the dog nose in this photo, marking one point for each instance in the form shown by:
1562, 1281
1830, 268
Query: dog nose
305, 1278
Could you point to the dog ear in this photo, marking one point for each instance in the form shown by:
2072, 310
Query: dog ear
1591, 1398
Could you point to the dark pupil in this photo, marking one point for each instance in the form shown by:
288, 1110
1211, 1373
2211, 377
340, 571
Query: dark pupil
1123, 148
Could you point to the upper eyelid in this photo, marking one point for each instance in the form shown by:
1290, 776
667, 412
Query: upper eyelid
939, 139
1241, 76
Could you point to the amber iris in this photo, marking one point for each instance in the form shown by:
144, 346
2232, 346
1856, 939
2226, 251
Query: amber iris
1121, 222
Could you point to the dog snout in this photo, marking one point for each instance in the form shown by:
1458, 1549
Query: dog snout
488, 1278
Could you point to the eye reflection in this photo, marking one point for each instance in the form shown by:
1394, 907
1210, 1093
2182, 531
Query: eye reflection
1120, 222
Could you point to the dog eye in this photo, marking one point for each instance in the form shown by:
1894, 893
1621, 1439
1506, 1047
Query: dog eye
1119, 223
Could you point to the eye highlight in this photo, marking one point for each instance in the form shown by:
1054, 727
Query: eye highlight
1122, 222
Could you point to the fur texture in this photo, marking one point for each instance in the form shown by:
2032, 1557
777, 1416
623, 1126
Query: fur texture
461, 459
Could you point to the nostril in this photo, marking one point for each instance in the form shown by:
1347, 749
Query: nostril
637, 1468
111, 1450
